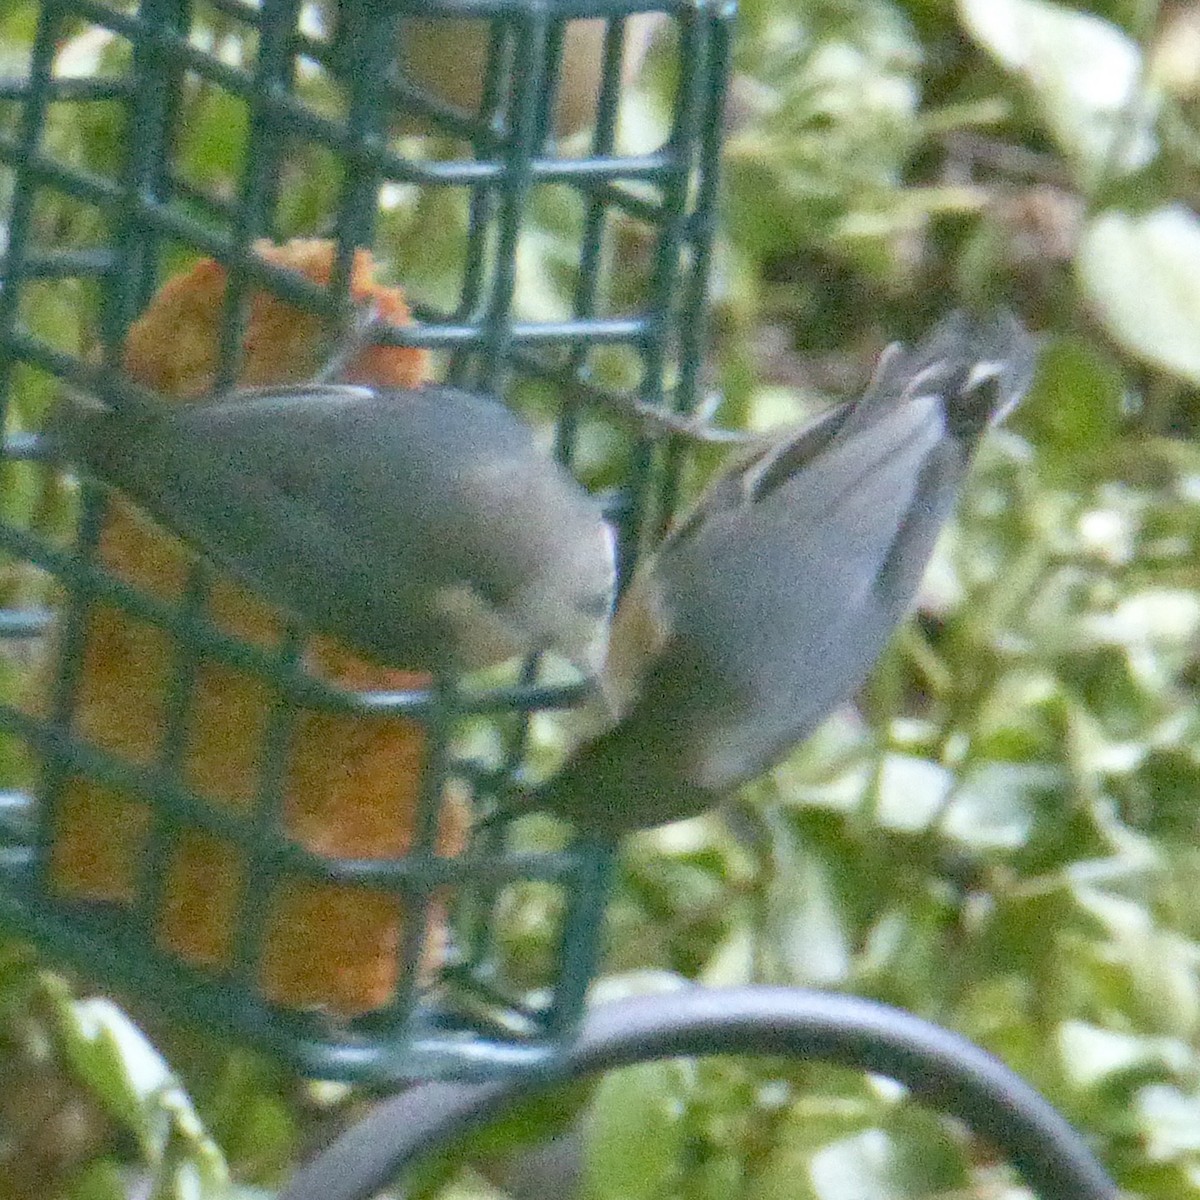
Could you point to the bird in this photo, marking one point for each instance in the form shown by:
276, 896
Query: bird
768, 603
348, 787
423, 527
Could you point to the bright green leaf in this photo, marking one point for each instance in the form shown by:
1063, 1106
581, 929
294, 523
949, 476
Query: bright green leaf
1074, 411
101, 1179
633, 1132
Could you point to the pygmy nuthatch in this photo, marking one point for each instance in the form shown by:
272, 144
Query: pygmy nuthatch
767, 605
424, 528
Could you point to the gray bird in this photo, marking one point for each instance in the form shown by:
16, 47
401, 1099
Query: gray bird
767, 605
424, 528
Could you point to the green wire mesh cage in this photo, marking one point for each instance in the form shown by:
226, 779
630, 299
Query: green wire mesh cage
147, 143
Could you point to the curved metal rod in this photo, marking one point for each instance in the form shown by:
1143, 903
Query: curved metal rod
941, 1068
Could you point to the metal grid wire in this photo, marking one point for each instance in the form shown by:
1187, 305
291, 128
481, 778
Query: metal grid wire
102, 236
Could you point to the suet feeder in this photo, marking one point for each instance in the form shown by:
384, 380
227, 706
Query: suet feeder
203, 805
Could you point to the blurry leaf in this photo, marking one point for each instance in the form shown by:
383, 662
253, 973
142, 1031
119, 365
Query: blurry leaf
826, 103
876, 1164
814, 1122
213, 137
1161, 965
1018, 721
1074, 410
998, 1009
831, 768
902, 956
20, 487
99, 1180
119, 1065
807, 921
530, 912
1175, 55
424, 233
911, 791
264, 1136
634, 1131
18, 22
1090, 1055
1142, 276
717, 1178
1014, 936
734, 961
1084, 73
1169, 1120
57, 315
996, 804
133, 1082
930, 1155
1159, 619
1161, 797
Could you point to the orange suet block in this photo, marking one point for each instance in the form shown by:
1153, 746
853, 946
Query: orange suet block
357, 951
350, 785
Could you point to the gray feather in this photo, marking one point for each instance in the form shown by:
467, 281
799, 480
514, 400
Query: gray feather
356, 509
783, 585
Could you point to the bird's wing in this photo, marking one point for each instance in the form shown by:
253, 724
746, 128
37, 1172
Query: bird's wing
201, 481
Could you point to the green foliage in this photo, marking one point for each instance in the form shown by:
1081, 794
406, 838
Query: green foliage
1004, 835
